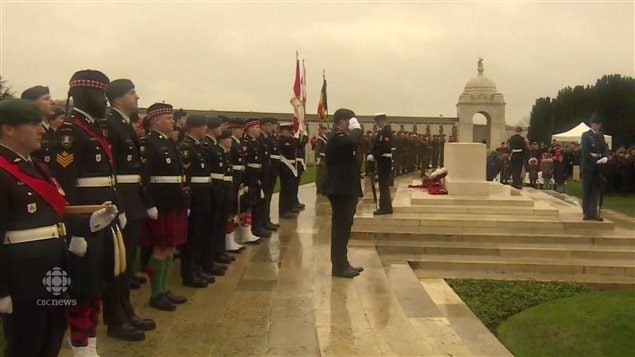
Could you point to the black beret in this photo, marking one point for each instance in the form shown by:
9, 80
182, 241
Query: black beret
179, 114
196, 121
236, 123
343, 114
16, 112
158, 109
34, 93
57, 113
380, 116
595, 118
118, 87
89, 78
213, 122
264, 121
227, 133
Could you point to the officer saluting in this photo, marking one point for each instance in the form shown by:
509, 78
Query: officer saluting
33, 247
42, 98
343, 187
382, 153
593, 150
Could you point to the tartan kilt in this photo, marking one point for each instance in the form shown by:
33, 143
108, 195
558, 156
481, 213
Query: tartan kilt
169, 230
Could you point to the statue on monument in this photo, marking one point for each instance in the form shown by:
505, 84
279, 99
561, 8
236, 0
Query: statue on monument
480, 66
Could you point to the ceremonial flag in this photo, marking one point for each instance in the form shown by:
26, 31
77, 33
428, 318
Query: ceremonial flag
323, 107
298, 100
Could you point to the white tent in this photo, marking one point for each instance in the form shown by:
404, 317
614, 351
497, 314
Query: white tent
573, 135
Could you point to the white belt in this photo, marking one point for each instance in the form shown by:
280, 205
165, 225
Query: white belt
103, 181
322, 154
33, 234
238, 167
393, 149
291, 161
517, 150
166, 179
275, 157
217, 176
255, 166
595, 155
301, 160
227, 178
201, 179
128, 178
386, 155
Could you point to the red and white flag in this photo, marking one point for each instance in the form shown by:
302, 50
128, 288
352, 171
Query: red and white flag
298, 101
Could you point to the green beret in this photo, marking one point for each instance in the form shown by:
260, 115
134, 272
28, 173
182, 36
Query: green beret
196, 121
34, 93
214, 122
16, 112
118, 87
227, 133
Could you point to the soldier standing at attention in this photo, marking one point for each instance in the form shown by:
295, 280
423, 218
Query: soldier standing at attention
168, 196
593, 150
382, 153
254, 154
41, 96
288, 173
343, 188
270, 169
320, 161
301, 167
518, 147
118, 310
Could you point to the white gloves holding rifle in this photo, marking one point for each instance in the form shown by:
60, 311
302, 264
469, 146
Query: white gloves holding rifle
100, 219
153, 213
370, 157
78, 246
602, 161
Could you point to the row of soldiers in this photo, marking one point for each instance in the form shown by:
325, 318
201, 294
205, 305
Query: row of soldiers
79, 201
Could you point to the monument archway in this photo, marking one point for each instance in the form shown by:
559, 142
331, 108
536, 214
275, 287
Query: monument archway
482, 126
480, 96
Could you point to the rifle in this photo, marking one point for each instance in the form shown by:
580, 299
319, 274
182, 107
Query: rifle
371, 173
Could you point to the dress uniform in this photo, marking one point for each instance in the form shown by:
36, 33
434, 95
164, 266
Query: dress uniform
119, 314
518, 147
382, 153
168, 196
593, 151
270, 170
44, 154
33, 251
84, 167
301, 166
343, 188
320, 161
200, 226
225, 141
254, 154
288, 173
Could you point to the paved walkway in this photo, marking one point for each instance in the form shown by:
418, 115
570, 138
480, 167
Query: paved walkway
279, 299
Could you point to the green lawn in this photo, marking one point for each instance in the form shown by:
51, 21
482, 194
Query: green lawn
616, 202
592, 324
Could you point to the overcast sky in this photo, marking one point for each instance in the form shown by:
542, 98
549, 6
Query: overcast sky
398, 58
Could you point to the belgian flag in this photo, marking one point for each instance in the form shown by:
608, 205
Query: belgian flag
323, 108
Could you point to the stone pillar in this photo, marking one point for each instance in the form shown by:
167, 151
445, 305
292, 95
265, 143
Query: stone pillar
466, 164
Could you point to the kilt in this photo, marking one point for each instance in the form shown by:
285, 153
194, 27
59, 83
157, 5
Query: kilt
169, 230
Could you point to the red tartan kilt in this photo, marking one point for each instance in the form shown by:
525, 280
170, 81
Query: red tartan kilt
169, 230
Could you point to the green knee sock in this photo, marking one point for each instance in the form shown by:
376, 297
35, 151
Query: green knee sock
157, 276
167, 265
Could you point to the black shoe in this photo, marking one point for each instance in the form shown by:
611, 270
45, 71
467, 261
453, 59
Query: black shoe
216, 270
346, 273
126, 332
224, 259
262, 234
273, 224
143, 324
175, 299
380, 212
585, 218
231, 257
220, 266
270, 227
134, 284
598, 218
287, 215
161, 302
301, 206
140, 278
206, 277
195, 282
295, 211
357, 269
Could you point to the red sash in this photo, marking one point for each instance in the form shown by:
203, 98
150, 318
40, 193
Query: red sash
101, 140
45, 189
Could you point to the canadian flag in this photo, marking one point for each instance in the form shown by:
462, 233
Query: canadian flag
298, 101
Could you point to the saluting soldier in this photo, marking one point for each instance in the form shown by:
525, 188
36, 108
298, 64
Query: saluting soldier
343, 188
118, 311
254, 154
41, 96
320, 159
288, 173
382, 153
199, 225
167, 196
271, 167
240, 203
84, 167
33, 251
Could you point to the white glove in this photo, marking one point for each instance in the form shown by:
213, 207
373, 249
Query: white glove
100, 219
122, 220
6, 305
78, 246
188, 212
153, 213
353, 123
602, 161
370, 157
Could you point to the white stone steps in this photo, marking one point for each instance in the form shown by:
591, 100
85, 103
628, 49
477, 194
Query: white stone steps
540, 209
423, 198
519, 250
527, 276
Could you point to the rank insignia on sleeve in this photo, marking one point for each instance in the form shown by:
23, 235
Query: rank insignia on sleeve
64, 158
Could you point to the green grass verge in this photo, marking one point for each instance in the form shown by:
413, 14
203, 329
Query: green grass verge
493, 301
307, 177
592, 324
615, 202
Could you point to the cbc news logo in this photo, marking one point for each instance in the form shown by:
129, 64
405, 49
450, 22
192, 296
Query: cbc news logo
56, 281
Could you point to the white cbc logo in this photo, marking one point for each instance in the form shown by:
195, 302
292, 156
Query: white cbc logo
56, 281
